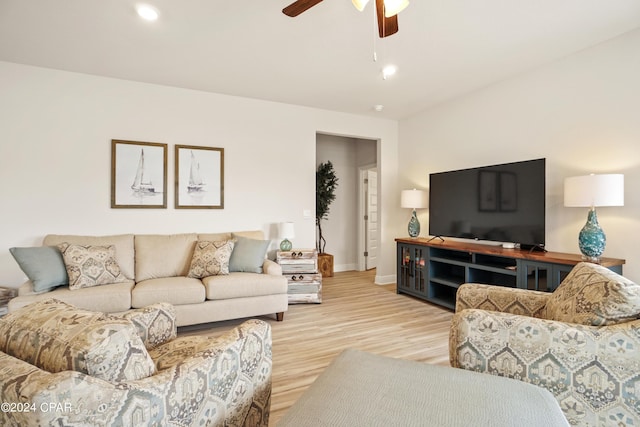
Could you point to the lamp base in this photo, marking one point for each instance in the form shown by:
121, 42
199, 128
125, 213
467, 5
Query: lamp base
414, 225
592, 239
285, 245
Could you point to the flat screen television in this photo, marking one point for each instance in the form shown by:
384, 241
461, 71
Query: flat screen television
499, 203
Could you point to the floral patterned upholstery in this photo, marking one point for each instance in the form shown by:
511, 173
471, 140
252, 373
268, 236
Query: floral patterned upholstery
224, 381
155, 323
594, 371
56, 336
594, 295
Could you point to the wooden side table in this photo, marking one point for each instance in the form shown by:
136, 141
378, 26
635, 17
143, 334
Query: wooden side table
300, 267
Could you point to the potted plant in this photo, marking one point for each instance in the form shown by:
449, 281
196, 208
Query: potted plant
326, 183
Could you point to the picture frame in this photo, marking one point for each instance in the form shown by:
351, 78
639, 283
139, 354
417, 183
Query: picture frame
508, 192
199, 178
138, 174
487, 191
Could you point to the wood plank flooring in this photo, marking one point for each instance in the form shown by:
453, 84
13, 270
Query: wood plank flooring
355, 313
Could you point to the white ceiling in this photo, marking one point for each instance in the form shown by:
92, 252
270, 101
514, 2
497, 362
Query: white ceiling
323, 58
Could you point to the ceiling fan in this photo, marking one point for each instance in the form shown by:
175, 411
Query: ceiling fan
386, 11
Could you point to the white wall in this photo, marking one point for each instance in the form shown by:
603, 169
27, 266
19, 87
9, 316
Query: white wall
581, 113
55, 162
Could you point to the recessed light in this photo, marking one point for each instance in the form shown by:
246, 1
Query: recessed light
146, 12
389, 71
378, 107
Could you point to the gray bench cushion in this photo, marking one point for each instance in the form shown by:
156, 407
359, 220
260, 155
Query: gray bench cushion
362, 389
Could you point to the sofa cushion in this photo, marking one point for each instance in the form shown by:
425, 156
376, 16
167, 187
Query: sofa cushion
213, 237
108, 299
174, 290
248, 255
155, 324
210, 258
43, 265
163, 255
56, 337
123, 244
594, 295
240, 285
89, 266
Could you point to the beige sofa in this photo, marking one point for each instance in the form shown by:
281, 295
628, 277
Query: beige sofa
156, 267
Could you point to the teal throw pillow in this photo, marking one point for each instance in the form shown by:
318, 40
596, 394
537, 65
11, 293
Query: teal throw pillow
43, 265
248, 255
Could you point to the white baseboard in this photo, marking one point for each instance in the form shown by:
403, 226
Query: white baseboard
379, 280
385, 280
344, 267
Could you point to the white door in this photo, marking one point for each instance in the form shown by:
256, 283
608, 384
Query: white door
371, 220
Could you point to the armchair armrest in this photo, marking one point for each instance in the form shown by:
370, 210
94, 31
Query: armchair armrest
201, 381
592, 370
155, 323
271, 267
500, 298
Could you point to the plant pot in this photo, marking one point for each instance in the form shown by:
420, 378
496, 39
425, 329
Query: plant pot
325, 264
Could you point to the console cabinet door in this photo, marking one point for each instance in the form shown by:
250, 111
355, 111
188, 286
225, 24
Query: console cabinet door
535, 276
412, 269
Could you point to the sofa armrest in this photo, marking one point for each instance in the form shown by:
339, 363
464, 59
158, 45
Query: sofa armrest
590, 369
271, 267
500, 298
155, 323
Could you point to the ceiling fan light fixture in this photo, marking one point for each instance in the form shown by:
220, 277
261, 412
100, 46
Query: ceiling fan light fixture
360, 4
394, 7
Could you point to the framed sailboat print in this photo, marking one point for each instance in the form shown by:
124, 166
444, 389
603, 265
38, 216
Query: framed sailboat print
199, 177
138, 174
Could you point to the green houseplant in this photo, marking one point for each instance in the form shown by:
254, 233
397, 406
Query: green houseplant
326, 184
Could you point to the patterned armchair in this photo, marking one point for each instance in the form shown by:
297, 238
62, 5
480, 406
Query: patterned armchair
63, 366
582, 342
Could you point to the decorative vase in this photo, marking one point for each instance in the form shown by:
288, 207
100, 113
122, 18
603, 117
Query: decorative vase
414, 225
591, 239
285, 245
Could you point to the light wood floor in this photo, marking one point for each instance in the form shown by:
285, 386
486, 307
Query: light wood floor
355, 313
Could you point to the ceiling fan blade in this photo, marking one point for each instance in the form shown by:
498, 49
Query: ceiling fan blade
297, 7
386, 26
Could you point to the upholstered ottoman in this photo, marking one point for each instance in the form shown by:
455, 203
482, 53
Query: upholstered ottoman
362, 389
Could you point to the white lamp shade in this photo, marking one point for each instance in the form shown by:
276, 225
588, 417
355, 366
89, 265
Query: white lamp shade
594, 190
286, 230
360, 4
414, 199
394, 7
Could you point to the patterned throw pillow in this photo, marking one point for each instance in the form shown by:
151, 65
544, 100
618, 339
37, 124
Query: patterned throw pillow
210, 258
594, 295
56, 336
89, 266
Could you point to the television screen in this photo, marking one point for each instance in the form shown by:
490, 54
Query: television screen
501, 203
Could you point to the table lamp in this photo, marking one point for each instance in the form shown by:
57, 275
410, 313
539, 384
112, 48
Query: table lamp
286, 232
413, 199
593, 191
